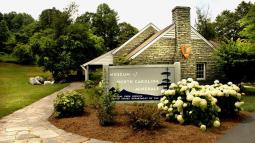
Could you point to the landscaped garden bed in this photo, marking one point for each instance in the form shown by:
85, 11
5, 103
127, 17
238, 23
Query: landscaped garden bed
88, 125
188, 112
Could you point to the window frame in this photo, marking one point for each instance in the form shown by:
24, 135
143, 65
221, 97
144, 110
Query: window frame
204, 71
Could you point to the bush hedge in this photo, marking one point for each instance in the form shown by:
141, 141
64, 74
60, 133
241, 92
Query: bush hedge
69, 103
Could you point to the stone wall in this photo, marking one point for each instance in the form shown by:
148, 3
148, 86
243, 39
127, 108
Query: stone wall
204, 54
146, 34
161, 52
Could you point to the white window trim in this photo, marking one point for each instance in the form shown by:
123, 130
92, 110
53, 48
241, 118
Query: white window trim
204, 72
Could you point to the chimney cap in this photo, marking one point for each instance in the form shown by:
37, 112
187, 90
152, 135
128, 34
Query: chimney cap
181, 7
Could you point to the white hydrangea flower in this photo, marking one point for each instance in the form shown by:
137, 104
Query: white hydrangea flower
179, 98
173, 85
189, 79
169, 92
184, 81
203, 104
165, 108
216, 82
203, 127
216, 123
170, 109
166, 101
230, 83
160, 105
185, 105
239, 104
180, 119
183, 88
190, 112
236, 88
196, 101
162, 99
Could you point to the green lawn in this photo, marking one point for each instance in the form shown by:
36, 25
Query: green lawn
16, 92
8, 58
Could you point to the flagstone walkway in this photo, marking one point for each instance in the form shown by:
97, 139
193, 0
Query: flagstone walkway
31, 125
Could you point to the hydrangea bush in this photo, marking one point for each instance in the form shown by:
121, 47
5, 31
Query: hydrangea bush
69, 103
190, 103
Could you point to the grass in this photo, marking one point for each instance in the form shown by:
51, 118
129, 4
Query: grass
249, 90
16, 92
8, 58
249, 103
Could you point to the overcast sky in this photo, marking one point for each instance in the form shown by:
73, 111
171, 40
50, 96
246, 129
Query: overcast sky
137, 12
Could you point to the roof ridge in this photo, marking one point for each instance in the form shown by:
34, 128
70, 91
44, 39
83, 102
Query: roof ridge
146, 42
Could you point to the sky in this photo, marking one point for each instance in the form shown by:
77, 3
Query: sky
136, 12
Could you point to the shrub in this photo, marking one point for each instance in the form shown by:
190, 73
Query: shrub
69, 103
24, 54
89, 84
144, 117
96, 76
106, 110
190, 103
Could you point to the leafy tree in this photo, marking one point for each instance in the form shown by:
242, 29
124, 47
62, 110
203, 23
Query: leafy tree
248, 22
24, 54
48, 17
105, 22
86, 18
16, 21
126, 32
237, 60
4, 34
1, 16
227, 24
204, 25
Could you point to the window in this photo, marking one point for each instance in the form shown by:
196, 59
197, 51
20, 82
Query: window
200, 72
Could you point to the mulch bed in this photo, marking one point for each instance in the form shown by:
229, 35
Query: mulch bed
87, 125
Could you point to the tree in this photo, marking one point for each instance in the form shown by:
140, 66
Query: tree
204, 25
126, 32
48, 17
105, 22
16, 21
4, 34
86, 18
236, 60
24, 54
248, 22
227, 24
1, 16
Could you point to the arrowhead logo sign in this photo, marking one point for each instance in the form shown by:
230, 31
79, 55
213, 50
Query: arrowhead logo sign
186, 50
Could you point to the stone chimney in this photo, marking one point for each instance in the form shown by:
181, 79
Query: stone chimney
181, 19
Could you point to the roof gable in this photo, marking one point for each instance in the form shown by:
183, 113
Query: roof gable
168, 32
150, 41
150, 25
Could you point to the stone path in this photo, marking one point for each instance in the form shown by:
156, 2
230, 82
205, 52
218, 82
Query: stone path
243, 133
31, 125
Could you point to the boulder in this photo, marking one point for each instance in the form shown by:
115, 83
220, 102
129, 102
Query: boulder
48, 82
40, 79
34, 81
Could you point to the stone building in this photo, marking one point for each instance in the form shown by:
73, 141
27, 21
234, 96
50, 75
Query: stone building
178, 42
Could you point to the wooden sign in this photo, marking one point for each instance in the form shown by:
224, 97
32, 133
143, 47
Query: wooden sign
186, 50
